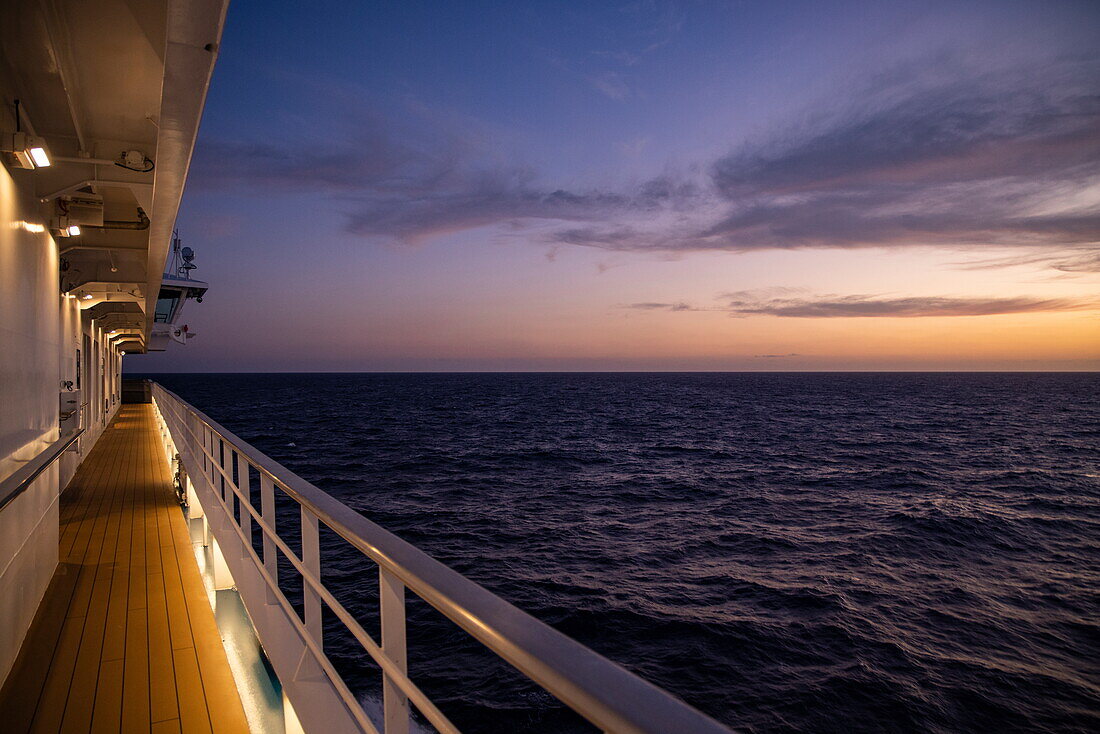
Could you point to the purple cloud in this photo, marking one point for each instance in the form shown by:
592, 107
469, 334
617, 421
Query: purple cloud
953, 160
749, 303
927, 156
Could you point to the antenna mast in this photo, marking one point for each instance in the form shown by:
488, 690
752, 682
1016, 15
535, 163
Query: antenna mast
182, 258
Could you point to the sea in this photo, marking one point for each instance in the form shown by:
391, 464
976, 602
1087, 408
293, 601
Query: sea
853, 552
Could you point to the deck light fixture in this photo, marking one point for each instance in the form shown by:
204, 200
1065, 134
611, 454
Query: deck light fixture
74, 231
29, 152
39, 156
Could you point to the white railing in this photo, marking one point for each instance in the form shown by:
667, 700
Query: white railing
604, 693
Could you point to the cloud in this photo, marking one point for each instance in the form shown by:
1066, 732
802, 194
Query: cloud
611, 84
407, 183
946, 160
423, 179
476, 199
915, 131
1084, 260
768, 303
927, 155
649, 306
1088, 262
914, 307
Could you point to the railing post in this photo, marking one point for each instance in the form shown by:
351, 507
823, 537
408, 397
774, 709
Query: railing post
245, 500
227, 496
391, 598
215, 462
311, 559
208, 454
267, 510
207, 471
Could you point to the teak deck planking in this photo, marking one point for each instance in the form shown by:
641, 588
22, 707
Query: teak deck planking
124, 640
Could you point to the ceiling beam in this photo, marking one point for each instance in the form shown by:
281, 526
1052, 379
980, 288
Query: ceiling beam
60, 44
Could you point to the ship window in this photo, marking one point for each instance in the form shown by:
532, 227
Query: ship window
166, 304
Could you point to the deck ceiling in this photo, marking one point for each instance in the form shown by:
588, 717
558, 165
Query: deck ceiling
99, 78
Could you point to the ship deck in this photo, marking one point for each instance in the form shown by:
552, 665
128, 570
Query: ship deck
125, 639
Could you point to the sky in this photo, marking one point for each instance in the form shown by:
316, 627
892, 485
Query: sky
420, 186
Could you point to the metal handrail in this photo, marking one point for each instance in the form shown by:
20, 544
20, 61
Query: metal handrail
601, 691
23, 477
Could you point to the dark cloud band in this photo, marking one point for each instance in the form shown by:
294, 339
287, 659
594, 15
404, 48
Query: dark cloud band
929, 155
745, 304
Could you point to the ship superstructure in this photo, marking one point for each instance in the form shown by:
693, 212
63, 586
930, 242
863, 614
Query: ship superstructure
128, 517
99, 109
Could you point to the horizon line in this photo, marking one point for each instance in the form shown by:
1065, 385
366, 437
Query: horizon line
618, 372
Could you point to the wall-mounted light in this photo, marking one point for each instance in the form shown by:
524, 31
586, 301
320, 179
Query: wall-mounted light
87, 296
29, 152
39, 156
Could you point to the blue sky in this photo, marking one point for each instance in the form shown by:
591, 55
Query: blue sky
646, 185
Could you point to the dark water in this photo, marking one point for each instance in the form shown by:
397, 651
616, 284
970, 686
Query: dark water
833, 553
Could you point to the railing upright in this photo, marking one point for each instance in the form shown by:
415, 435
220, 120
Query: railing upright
245, 496
226, 491
391, 599
267, 510
207, 451
311, 559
